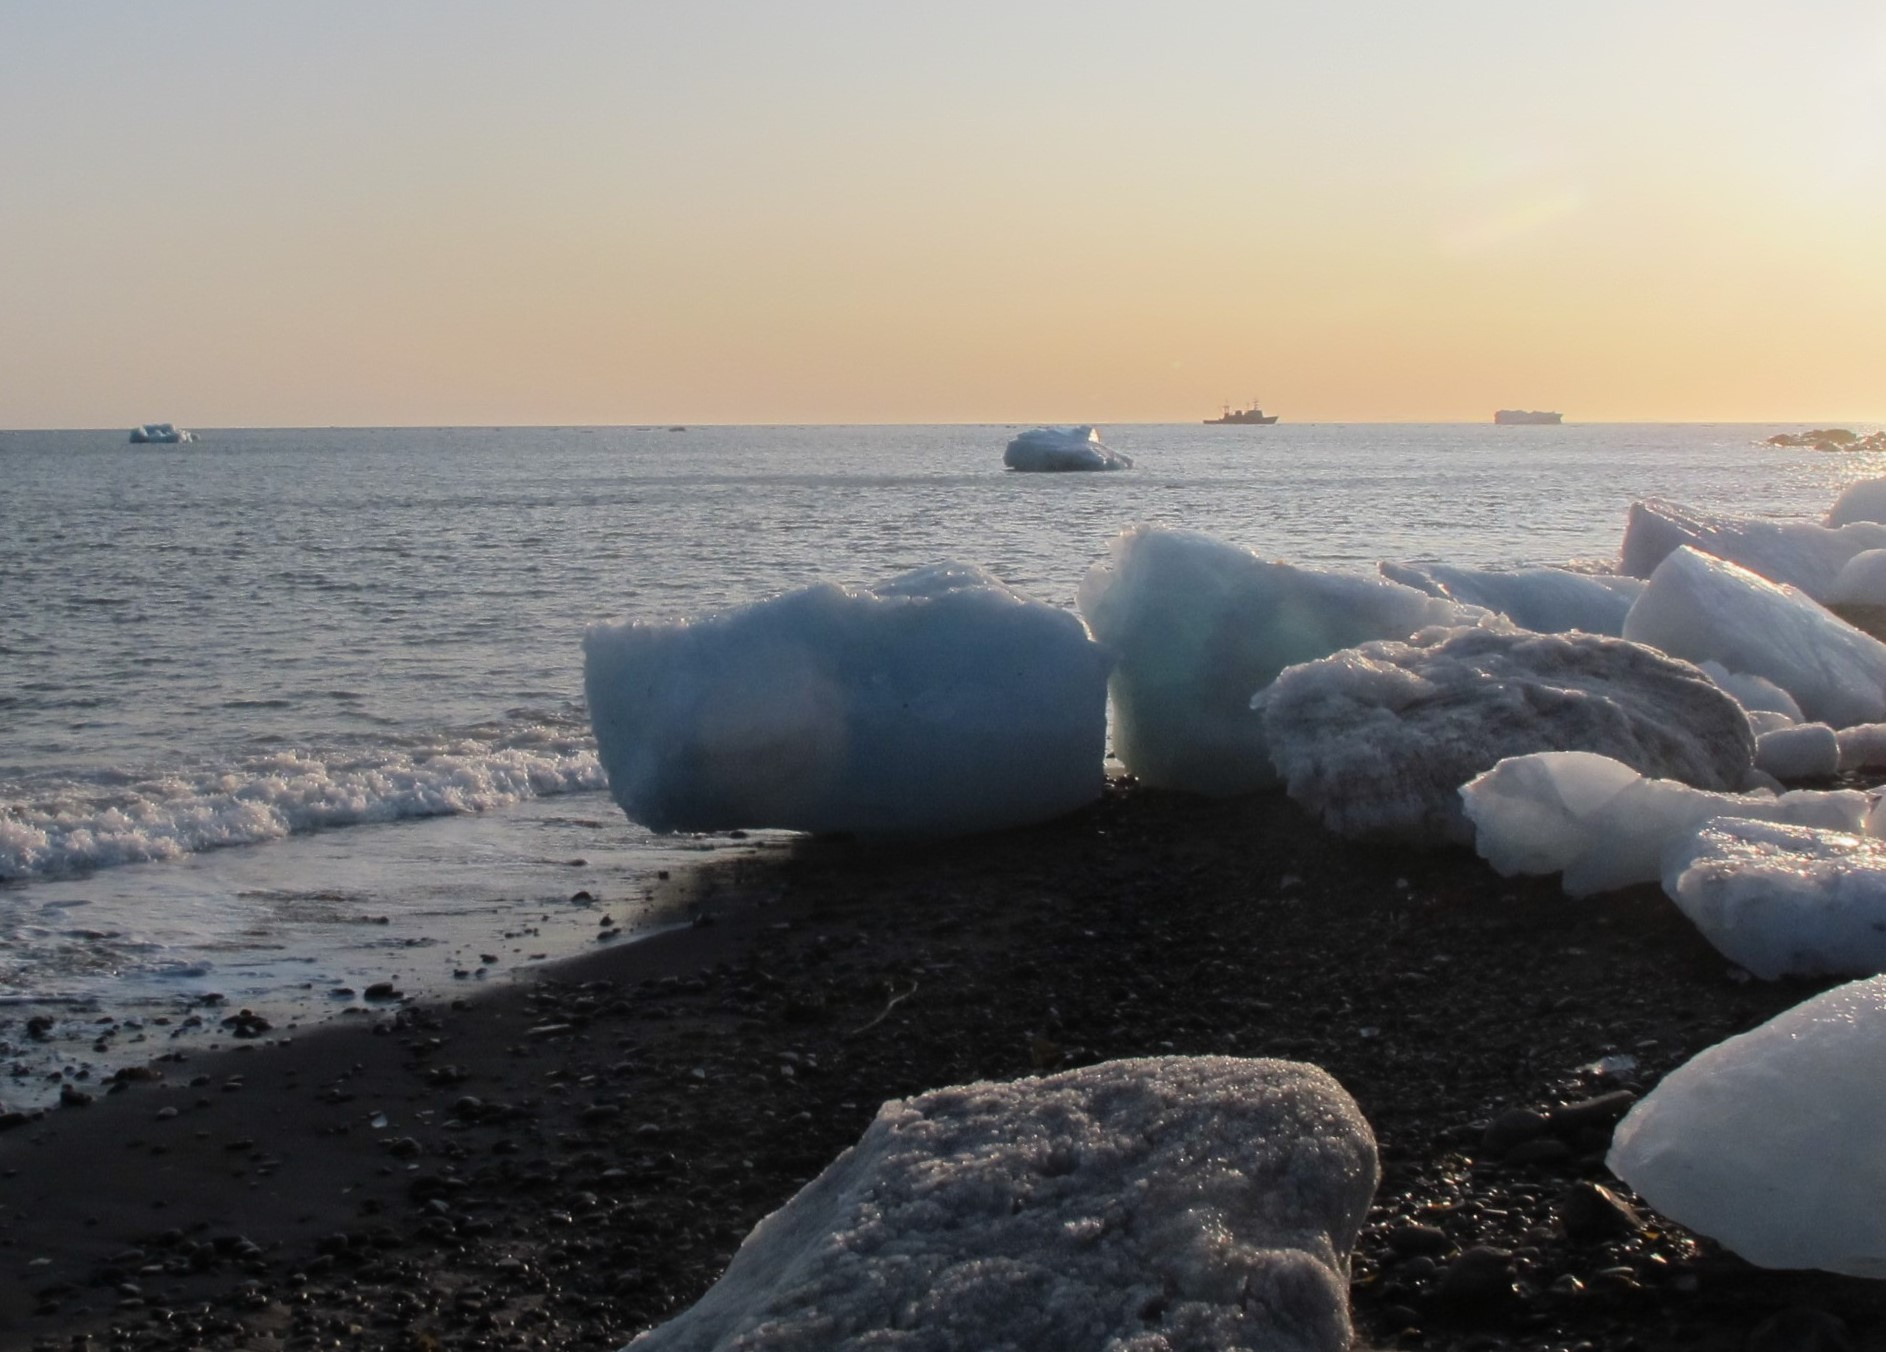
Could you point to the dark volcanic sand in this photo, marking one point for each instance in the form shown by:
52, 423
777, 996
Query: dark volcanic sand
566, 1163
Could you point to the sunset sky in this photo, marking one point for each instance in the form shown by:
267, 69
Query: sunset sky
454, 212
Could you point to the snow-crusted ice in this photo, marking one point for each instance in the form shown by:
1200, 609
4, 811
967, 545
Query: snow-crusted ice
1862, 501
1063, 448
1377, 740
1784, 900
1549, 600
1705, 609
1603, 825
1770, 1142
1798, 553
1176, 1202
1199, 626
939, 703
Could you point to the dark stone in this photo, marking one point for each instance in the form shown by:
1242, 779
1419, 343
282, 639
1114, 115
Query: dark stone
1510, 1128
1479, 1282
1603, 1112
1590, 1211
1539, 1150
1413, 1238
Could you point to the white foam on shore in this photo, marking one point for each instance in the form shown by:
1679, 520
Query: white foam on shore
72, 828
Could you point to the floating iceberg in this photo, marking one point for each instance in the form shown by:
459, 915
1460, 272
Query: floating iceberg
1198, 626
1378, 740
159, 434
940, 703
1603, 825
1177, 1202
1549, 600
1862, 501
1785, 900
1798, 553
1705, 609
1770, 1142
1062, 448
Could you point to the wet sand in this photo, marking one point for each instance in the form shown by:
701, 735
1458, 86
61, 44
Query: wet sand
567, 1160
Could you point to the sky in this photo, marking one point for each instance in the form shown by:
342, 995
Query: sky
455, 212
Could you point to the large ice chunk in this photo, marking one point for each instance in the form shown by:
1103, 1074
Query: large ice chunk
1603, 825
940, 703
1862, 501
1198, 626
1706, 609
1862, 746
1177, 1202
1770, 1142
1798, 553
1784, 900
1378, 740
1062, 448
1549, 600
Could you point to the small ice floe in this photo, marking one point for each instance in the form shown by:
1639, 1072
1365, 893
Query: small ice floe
1062, 448
1770, 1142
1548, 600
1377, 740
1705, 609
939, 703
1169, 1202
1800, 751
1799, 554
1198, 625
1603, 826
1784, 900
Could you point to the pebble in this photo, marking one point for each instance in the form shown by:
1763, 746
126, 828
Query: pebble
1590, 1211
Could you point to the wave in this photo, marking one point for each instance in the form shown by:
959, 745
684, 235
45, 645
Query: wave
115, 818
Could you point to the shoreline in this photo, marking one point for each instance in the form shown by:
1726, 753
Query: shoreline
574, 1157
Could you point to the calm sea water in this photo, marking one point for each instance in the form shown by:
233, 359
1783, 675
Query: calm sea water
294, 709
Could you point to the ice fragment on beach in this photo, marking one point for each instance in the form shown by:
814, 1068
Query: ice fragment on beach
1757, 694
1169, 1202
1784, 900
1770, 1142
1062, 448
1604, 826
1800, 554
1862, 746
1862, 582
941, 702
1549, 600
1199, 626
1378, 740
1803, 751
1862, 501
1704, 609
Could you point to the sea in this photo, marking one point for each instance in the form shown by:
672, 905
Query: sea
286, 714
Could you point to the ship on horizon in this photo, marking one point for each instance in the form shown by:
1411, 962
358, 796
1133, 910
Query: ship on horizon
1533, 416
1249, 417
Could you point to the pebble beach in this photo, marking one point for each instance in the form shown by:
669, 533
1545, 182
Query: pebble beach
572, 1159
